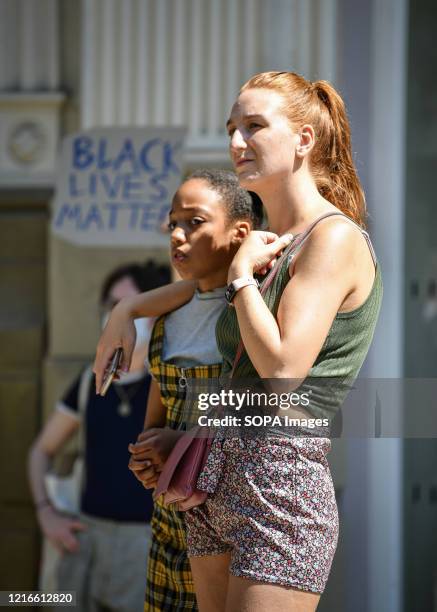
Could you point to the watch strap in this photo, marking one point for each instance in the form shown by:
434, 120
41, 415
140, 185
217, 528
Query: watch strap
238, 284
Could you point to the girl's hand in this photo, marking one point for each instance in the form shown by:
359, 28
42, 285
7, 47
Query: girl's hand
150, 453
119, 332
146, 473
120, 329
257, 254
153, 446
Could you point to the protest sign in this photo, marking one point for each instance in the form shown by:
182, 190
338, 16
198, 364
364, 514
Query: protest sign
114, 185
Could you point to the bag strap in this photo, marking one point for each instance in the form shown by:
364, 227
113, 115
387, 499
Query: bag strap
294, 245
82, 401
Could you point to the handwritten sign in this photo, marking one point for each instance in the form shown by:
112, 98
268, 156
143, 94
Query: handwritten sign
115, 185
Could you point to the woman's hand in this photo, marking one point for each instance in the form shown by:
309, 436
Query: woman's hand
119, 332
257, 254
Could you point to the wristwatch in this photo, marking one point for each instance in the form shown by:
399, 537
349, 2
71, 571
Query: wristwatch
238, 284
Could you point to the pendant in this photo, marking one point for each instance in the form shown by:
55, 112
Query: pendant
124, 409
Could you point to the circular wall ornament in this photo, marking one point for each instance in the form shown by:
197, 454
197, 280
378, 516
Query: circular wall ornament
26, 142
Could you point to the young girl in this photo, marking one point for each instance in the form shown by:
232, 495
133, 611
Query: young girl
210, 216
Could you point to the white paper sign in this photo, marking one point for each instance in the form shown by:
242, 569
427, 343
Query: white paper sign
115, 185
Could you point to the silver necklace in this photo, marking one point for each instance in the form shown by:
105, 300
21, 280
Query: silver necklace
124, 408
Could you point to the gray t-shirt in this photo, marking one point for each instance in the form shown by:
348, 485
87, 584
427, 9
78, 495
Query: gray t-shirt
189, 331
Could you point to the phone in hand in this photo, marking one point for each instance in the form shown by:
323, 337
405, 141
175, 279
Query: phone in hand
115, 363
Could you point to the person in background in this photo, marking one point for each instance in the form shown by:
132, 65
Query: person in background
103, 551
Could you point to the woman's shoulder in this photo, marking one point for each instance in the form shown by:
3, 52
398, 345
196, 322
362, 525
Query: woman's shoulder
336, 232
337, 249
334, 241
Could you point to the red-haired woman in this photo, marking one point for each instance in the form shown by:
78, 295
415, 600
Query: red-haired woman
266, 536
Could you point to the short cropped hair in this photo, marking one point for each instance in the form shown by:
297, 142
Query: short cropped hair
240, 204
145, 276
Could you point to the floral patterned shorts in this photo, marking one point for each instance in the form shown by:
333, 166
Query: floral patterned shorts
271, 504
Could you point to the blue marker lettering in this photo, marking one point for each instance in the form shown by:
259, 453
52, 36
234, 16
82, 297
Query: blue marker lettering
131, 187
102, 161
149, 217
82, 154
145, 152
72, 213
93, 216
73, 189
163, 213
134, 213
113, 208
93, 184
111, 189
126, 155
168, 161
161, 190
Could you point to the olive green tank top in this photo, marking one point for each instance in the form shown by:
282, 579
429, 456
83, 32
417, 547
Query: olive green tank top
343, 352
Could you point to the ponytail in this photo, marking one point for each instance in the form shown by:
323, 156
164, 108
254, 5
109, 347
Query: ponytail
331, 162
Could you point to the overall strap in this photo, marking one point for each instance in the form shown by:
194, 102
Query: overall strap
156, 343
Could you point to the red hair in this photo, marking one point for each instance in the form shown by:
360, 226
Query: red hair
331, 163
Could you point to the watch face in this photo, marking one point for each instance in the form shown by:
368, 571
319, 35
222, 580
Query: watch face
229, 293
